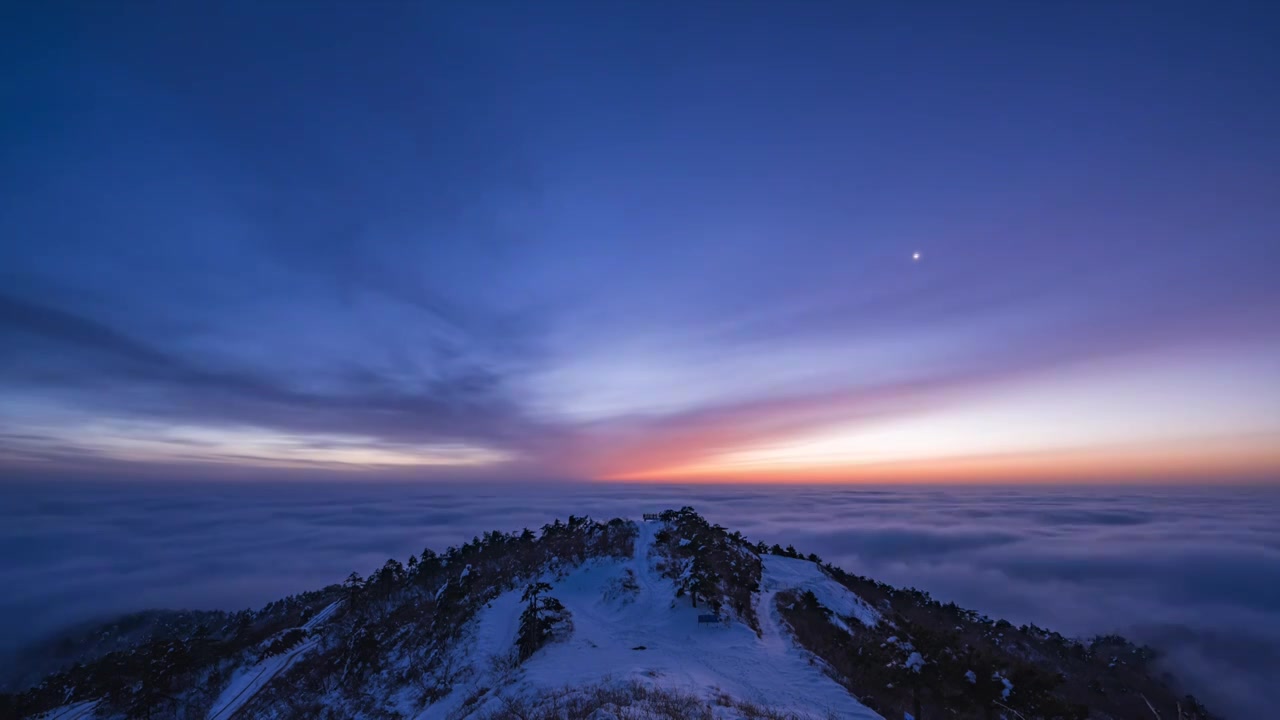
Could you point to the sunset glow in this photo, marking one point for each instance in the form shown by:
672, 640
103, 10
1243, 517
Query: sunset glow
700, 264
1145, 421
687, 359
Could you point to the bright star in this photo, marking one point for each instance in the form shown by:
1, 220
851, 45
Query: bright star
915, 256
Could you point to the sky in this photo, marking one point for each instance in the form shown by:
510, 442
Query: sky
819, 242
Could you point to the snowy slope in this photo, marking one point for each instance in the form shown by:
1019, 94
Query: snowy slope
679, 654
244, 685
624, 645
75, 711
783, 573
321, 616
248, 681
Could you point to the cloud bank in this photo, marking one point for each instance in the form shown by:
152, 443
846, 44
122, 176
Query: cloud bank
1195, 573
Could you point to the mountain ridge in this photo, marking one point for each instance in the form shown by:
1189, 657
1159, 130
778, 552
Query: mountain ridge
602, 619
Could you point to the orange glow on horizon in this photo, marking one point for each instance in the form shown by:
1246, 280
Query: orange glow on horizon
1185, 418
1227, 459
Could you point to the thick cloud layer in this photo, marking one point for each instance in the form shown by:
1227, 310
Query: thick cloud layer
1193, 572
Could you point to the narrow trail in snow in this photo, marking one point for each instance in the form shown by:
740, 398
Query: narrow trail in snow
652, 636
641, 564
733, 653
254, 686
226, 708
78, 711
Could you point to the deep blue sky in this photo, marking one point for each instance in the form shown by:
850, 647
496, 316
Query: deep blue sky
641, 239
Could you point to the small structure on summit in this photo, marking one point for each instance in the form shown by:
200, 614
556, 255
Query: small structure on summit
652, 516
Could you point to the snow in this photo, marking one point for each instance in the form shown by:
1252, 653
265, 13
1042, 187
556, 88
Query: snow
971, 677
244, 684
248, 681
914, 662
465, 571
791, 573
1008, 686
321, 616
679, 653
74, 711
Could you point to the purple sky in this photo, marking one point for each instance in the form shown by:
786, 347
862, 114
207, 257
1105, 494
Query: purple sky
648, 240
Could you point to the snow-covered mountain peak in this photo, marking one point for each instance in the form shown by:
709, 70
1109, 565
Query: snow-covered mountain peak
666, 617
645, 634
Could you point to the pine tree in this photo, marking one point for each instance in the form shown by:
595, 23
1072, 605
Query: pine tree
531, 635
704, 581
428, 564
352, 585
540, 616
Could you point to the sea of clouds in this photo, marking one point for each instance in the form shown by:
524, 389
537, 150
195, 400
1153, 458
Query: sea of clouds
1193, 572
